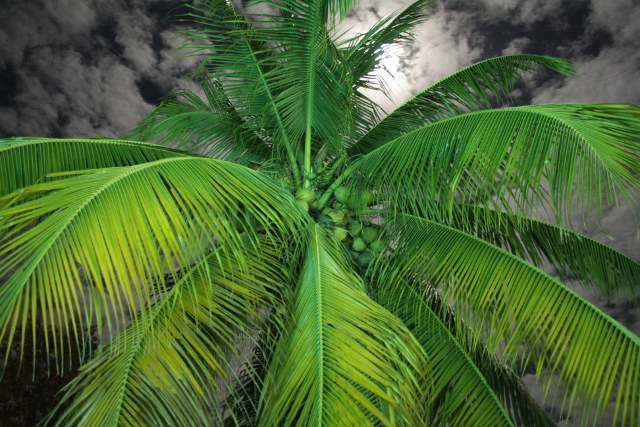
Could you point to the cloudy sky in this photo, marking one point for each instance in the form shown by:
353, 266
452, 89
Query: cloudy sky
96, 67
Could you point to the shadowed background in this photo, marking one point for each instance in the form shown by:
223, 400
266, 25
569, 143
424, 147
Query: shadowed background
71, 68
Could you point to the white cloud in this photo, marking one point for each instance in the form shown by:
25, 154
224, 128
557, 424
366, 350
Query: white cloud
617, 16
517, 45
134, 34
614, 74
61, 92
441, 48
72, 82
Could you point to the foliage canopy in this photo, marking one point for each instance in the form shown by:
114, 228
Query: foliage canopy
272, 249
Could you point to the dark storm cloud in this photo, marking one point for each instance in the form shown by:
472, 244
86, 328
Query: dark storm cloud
83, 68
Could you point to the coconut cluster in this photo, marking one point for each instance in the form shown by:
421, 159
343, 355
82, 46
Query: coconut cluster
344, 215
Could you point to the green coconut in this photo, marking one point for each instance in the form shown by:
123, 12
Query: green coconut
369, 234
364, 259
340, 233
341, 194
346, 218
336, 216
355, 228
369, 197
361, 199
358, 244
305, 194
304, 204
378, 246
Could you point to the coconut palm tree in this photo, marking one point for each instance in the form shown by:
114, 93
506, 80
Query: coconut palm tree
271, 249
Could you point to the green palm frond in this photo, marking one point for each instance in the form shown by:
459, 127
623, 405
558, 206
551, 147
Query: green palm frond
460, 394
212, 127
241, 62
364, 112
509, 388
346, 361
231, 301
469, 89
27, 161
244, 400
500, 159
575, 258
171, 366
105, 234
363, 51
362, 54
504, 381
512, 304
307, 72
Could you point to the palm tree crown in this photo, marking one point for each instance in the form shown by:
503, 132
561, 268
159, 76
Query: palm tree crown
271, 249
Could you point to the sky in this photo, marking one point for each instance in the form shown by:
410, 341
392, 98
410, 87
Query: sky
72, 68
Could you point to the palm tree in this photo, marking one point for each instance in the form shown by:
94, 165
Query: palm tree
272, 250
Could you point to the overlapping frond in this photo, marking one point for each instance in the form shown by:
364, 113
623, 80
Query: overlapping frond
518, 308
363, 51
211, 127
27, 161
174, 365
244, 399
469, 89
308, 73
346, 361
503, 380
102, 235
460, 395
502, 158
240, 61
575, 258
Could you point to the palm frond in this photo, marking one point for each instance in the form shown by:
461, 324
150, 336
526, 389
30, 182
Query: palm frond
364, 112
173, 365
244, 400
501, 158
512, 304
363, 51
240, 62
503, 380
307, 71
211, 127
346, 361
104, 235
27, 161
363, 54
469, 89
575, 258
460, 395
